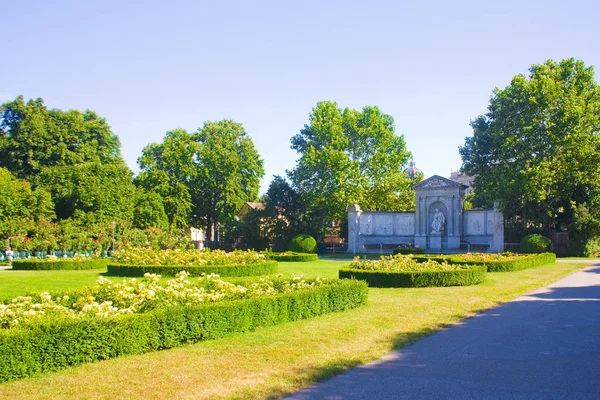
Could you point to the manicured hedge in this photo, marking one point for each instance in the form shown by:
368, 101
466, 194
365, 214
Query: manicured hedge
525, 261
46, 347
460, 277
265, 268
40, 265
291, 256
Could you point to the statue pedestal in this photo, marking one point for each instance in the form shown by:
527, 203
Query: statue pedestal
435, 242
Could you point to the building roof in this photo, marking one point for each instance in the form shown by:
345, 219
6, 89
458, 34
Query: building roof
412, 170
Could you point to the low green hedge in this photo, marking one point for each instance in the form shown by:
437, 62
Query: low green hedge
291, 256
266, 268
41, 265
460, 277
47, 347
524, 262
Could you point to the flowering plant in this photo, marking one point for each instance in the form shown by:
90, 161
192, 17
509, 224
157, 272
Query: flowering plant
138, 256
489, 257
402, 263
108, 299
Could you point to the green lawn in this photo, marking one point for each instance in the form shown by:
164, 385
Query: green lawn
18, 283
277, 360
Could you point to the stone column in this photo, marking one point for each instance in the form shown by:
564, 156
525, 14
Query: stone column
354, 212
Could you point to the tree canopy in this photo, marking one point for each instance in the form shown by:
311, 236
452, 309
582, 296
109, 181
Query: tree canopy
349, 156
33, 137
537, 148
205, 177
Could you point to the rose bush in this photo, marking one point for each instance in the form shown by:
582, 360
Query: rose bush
108, 299
401, 263
141, 256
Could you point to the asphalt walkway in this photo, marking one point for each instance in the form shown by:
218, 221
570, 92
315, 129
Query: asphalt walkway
544, 345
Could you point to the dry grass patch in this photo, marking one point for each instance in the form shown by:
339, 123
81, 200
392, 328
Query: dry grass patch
275, 361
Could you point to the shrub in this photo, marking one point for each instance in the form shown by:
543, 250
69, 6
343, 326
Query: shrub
263, 268
535, 243
456, 277
403, 271
291, 256
53, 345
505, 262
59, 264
303, 243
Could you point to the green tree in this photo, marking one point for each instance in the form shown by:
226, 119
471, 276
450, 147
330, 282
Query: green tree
168, 169
18, 200
537, 148
149, 210
349, 156
228, 172
92, 191
33, 137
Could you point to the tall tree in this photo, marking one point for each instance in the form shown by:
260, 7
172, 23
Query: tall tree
349, 156
95, 191
228, 173
537, 148
18, 200
168, 168
33, 137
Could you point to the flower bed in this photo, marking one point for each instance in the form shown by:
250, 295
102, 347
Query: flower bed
263, 268
505, 262
113, 319
403, 271
137, 262
54, 263
292, 256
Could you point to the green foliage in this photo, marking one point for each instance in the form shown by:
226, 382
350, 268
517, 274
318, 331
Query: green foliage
18, 201
92, 192
510, 263
64, 343
62, 264
229, 170
303, 243
292, 256
149, 210
252, 232
265, 268
458, 277
535, 243
33, 137
584, 233
536, 149
349, 156
166, 169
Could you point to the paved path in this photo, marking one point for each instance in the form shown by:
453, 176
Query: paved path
544, 345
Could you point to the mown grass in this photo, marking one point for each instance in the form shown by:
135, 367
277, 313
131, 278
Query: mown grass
274, 361
18, 283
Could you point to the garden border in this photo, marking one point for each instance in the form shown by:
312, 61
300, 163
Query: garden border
61, 264
131, 270
431, 278
52, 346
527, 261
293, 256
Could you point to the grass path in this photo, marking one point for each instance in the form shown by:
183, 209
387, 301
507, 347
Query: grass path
274, 361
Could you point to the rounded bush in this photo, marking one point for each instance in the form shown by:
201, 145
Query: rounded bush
303, 243
535, 243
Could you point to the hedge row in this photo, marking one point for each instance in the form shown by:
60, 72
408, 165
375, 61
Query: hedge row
290, 256
523, 262
460, 277
265, 268
41, 265
53, 346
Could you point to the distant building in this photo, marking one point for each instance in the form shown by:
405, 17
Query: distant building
463, 179
250, 206
412, 170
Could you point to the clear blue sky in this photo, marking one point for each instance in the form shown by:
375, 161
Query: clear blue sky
152, 66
